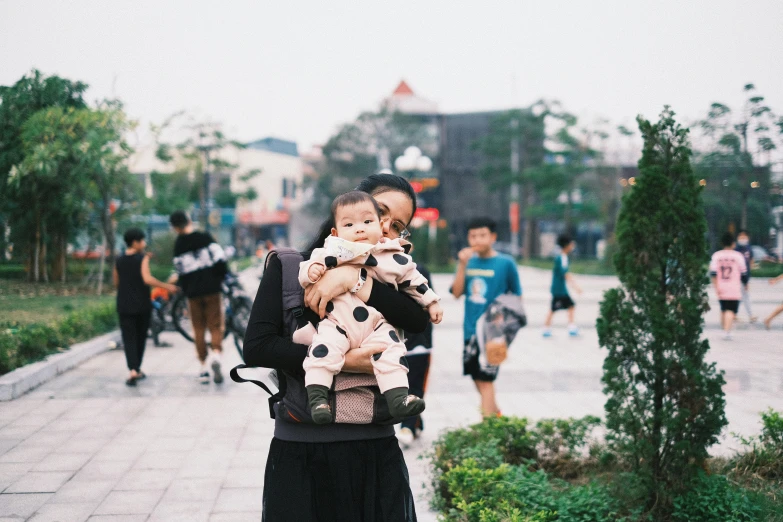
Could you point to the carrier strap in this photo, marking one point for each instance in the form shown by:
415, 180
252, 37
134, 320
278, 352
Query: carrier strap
273, 397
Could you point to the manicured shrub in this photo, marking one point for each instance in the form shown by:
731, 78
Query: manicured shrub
25, 344
713, 497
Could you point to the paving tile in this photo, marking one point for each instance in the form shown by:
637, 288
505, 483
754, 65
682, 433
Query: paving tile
141, 479
23, 453
161, 460
21, 506
83, 491
63, 462
249, 459
235, 517
72, 512
117, 518
181, 512
40, 482
129, 503
244, 478
192, 489
111, 469
83, 445
238, 499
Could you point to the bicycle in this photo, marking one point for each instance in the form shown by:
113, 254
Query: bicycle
236, 303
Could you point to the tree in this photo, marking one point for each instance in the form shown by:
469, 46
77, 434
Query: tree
196, 159
665, 405
18, 103
75, 157
361, 148
737, 162
523, 131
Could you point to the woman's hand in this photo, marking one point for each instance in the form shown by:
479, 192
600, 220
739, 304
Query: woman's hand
334, 282
358, 360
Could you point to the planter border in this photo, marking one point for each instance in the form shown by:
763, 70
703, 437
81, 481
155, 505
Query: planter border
18, 382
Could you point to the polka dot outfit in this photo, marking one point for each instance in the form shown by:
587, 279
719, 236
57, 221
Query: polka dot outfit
350, 323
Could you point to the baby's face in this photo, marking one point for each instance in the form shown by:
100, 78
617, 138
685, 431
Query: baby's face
358, 223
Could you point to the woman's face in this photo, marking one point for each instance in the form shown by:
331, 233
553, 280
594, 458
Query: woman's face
396, 211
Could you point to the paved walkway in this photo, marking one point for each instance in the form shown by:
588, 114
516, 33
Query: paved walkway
86, 447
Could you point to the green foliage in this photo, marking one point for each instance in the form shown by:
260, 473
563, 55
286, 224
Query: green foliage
772, 432
360, 147
665, 404
25, 344
738, 153
713, 497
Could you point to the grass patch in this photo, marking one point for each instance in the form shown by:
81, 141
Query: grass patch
575, 266
24, 303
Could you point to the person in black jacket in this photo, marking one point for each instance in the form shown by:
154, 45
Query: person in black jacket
201, 267
133, 279
335, 472
419, 345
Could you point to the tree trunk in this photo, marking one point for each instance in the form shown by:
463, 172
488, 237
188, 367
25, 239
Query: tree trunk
37, 252
64, 259
529, 222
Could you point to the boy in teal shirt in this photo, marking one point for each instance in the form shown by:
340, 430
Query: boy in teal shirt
483, 274
560, 298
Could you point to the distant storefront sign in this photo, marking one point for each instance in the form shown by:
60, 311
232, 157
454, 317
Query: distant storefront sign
427, 214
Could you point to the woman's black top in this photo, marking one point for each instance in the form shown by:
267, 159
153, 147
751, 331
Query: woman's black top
265, 346
133, 295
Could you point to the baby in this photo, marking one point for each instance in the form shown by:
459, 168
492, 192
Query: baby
357, 240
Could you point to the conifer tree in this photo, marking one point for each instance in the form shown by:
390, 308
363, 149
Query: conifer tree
665, 404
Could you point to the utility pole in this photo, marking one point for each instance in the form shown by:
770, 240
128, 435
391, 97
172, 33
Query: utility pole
205, 203
513, 205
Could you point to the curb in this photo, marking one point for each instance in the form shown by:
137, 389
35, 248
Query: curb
20, 381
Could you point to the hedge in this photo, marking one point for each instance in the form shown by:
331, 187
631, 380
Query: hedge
32, 342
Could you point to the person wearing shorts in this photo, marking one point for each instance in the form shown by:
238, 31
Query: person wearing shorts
201, 267
561, 300
483, 274
727, 269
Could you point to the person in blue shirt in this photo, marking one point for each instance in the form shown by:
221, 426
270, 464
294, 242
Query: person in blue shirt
483, 274
561, 300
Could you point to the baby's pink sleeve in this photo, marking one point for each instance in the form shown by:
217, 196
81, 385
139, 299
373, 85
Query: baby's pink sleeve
415, 284
316, 258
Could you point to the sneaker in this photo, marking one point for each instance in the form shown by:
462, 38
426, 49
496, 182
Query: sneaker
753, 318
218, 375
405, 436
547, 333
573, 332
204, 377
727, 336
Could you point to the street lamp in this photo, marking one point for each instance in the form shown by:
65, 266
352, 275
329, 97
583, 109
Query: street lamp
412, 160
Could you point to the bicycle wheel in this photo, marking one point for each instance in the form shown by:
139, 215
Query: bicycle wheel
180, 316
240, 316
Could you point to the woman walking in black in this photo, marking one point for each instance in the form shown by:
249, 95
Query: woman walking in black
133, 279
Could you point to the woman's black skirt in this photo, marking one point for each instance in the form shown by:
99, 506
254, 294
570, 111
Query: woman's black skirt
353, 481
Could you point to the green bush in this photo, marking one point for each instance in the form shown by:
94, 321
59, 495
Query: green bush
25, 344
772, 432
494, 494
713, 497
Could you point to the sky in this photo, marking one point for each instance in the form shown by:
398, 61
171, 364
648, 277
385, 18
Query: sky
297, 70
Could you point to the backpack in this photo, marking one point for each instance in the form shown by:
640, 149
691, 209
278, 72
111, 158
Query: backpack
354, 398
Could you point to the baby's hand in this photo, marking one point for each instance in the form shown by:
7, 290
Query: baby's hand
315, 272
436, 312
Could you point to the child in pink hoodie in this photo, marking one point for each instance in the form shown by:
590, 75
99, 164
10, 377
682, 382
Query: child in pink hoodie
357, 240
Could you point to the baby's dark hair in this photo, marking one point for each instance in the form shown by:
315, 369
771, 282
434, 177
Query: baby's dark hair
482, 222
353, 198
133, 234
563, 240
727, 239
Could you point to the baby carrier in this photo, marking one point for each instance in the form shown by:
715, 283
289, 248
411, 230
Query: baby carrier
354, 398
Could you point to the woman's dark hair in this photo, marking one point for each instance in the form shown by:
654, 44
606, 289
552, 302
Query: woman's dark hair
133, 234
373, 185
